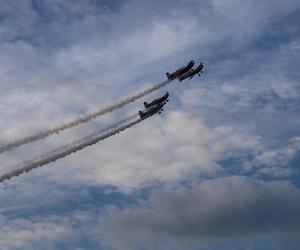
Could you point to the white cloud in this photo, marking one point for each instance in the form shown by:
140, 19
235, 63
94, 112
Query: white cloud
278, 172
168, 150
275, 162
51, 232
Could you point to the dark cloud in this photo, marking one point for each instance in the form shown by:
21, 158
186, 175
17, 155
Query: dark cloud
222, 209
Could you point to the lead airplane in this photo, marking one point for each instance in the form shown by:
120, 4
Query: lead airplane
192, 72
180, 71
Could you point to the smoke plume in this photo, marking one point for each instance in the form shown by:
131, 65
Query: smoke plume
72, 147
81, 120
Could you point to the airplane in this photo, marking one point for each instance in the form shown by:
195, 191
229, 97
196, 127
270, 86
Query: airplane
180, 71
156, 107
192, 72
157, 101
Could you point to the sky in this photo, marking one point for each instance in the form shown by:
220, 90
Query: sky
218, 169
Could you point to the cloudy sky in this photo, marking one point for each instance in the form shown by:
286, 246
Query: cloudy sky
219, 169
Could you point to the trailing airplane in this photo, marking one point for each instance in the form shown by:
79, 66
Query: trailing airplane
155, 107
157, 101
158, 108
192, 72
180, 71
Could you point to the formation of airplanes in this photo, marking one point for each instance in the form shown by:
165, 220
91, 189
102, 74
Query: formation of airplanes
185, 72
156, 106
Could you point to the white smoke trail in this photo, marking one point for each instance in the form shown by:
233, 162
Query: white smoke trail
86, 138
81, 120
70, 148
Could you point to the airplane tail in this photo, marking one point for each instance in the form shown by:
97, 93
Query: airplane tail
168, 75
146, 105
141, 114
